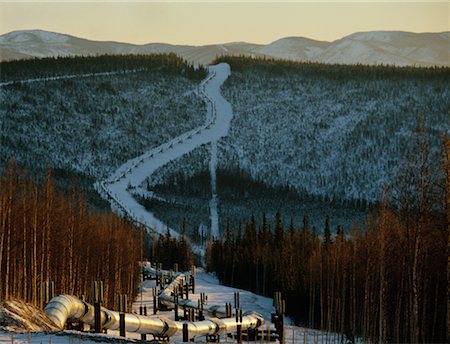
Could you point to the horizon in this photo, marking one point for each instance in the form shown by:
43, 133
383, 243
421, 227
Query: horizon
210, 23
218, 43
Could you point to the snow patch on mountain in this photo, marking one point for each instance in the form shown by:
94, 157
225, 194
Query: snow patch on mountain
33, 36
375, 47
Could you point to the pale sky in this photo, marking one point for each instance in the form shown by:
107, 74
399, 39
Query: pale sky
209, 22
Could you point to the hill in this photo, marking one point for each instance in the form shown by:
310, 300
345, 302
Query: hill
310, 139
91, 125
377, 47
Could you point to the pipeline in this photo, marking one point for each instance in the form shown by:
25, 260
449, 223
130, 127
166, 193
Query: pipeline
105, 191
64, 308
167, 296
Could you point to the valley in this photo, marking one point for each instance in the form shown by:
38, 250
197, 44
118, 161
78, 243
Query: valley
271, 172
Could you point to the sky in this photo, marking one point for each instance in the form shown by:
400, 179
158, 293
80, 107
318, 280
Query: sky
210, 22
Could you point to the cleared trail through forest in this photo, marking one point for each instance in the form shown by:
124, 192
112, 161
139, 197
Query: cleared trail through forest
118, 187
70, 76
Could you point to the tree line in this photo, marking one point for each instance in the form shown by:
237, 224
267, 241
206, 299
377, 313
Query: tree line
47, 235
57, 66
168, 250
384, 284
278, 66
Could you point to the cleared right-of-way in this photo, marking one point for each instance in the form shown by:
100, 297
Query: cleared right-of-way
117, 188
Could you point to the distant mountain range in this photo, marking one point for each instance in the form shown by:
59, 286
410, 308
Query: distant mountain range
375, 47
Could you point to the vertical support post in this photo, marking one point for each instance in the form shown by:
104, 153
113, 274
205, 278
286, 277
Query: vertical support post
175, 302
122, 300
239, 333
176, 311
228, 309
239, 326
155, 305
175, 267
98, 298
278, 317
163, 281
143, 311
185, 333
200, 310
192, 280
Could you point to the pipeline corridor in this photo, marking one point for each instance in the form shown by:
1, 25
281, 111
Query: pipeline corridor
67, 308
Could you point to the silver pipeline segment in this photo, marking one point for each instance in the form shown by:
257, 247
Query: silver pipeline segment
167, 297
65, 308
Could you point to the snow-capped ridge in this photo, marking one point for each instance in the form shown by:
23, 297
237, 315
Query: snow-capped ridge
34, 36
372, 47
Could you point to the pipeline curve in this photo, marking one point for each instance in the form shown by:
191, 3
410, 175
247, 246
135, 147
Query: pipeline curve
64, 308
116, 188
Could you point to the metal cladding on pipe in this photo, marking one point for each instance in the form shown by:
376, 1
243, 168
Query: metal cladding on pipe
62, 308
65, 308
166, 297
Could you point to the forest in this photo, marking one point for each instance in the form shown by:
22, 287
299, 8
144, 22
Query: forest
51, 235
48, 235
386, 283
332, 135
185, 198
336, 131
171, 64
91, 126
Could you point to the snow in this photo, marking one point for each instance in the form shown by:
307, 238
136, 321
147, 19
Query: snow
27, 36
219, 295
327, 137
390, 47
205, 283
63, 337
135, 171
214, 200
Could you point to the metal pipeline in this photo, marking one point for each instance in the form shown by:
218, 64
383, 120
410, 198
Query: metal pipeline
65, 308
167, 297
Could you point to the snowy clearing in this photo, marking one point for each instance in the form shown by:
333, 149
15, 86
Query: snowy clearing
205, 283
134, 172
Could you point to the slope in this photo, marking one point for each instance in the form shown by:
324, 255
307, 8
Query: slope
375, 47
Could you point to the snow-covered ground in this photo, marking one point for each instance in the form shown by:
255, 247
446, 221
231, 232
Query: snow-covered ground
205, 283
219, 295
135, 171
64, 337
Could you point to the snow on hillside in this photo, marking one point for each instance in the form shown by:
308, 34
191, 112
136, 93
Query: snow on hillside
376, 47
93, 125
33, 36
330, 134
294, 48
135, 171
